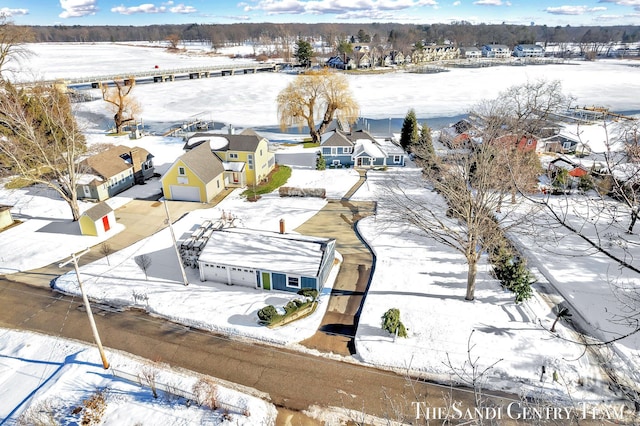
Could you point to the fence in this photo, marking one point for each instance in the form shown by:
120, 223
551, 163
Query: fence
171, 389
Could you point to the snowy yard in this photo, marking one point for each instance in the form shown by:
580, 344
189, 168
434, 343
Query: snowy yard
424, 280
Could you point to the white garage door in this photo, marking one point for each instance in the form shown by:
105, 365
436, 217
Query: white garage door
243, 276
215, 273
185, 193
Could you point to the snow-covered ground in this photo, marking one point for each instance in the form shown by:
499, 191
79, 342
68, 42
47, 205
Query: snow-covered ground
424, 280
46, 380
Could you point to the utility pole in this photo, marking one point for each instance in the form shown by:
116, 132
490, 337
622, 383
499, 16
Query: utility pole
175, 245
87, 306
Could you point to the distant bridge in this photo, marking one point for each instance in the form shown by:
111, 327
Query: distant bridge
158, 75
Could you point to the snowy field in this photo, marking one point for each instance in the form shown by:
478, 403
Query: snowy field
46, 379
424, 280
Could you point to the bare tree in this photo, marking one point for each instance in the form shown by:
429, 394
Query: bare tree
473, 182
462, 213
41, 141
320, 94
174, 41
119, 98
144, 263
12, 44
147, 376
105, 250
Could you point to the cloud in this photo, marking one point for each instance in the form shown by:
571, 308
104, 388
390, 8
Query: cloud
78, 8
346, 8
491, 3
181, 8
634, 3
573, 10
457, 3
6, 12
143, 8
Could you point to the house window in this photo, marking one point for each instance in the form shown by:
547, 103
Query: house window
260, 153
336, 162
347, 150
334, 151
250, 161
397, 159
182, 171
293, 282
233, 156
218, 182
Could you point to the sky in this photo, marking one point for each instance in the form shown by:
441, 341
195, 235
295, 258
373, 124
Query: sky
520, 12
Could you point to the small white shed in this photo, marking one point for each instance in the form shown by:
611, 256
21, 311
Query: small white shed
97, 220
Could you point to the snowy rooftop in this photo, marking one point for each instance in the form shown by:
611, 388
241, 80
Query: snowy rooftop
365, 146
600, 138
292, 253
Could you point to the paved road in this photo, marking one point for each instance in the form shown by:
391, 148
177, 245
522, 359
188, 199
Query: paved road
293, 380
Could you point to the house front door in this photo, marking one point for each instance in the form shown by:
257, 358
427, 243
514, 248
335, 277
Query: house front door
266, 281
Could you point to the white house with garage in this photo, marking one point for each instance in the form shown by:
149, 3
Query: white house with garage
267, 260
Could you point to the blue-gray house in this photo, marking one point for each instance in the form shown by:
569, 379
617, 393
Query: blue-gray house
359, 149
267, 260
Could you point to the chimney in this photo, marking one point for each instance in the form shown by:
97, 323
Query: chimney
282, 226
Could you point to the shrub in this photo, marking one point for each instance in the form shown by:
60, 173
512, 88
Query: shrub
586, 183
94, 408
391, 322
309, 293
206, 393
267, 313
293, 305
511, 270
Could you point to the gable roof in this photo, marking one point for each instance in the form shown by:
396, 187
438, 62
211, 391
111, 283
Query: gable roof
243, 142
202, 162
98, 211
337, 138
367, 148
360, 134
108, 163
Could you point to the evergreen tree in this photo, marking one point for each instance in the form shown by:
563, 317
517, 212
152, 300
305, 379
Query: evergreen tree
304, 53
423, 149
321, 163
409, 132
512, 272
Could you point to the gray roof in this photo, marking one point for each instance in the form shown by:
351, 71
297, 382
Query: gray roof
359, 134
242, 142
112, 161
201, 161
98, 211
337, 139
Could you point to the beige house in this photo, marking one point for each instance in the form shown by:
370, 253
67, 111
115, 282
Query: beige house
5, 216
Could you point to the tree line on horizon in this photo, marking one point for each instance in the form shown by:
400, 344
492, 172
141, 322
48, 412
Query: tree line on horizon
398, 36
